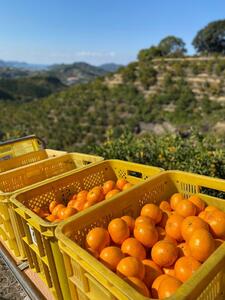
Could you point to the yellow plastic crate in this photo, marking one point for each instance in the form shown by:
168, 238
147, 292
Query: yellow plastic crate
58, 162
89, 279
20, 146
22, 160
39, 235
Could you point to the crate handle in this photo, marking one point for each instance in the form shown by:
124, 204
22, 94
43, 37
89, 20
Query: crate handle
134, 174
24, 138
86, 162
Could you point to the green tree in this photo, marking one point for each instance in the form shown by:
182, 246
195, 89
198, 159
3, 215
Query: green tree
129, 72
172, 46
146, 55
147, 75
211, 39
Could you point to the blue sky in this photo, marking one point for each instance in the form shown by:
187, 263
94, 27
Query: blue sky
97, 31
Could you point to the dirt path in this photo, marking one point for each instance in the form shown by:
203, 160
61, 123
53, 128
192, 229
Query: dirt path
10, 288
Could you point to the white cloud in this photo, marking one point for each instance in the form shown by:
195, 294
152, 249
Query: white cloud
95, 54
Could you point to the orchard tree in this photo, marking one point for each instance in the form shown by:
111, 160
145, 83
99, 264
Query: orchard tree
172, 46
211, 39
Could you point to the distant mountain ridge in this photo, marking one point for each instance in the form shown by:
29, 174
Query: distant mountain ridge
22, 65
75, 73
110, 67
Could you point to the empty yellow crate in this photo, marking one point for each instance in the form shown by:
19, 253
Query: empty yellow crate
89, 279
39, 235
20, 146
15, 180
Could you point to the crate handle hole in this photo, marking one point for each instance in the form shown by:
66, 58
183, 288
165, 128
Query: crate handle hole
134, 174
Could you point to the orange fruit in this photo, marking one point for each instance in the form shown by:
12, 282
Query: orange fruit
111, 256
174, 199
170, 239
111, 193
51, 218
95, 195
156, 283
108, 186
203, 215
87, 204
61, 213
201, 244
133, 247
118, 230
131, 267
168, 287
199, 203
152, 271
68, 212
216, 221
146, 234
52, 205
173, 227
97, 239
185, 267
161, 233
164, 205
165, 217
120, 183
164, 253
82, 194
183, 250
152, 211
127, 186
57, 209
169, 270
71, 203
190, 224
185, 208
211, 208
138, 285
80, 203
130, 222
144, 220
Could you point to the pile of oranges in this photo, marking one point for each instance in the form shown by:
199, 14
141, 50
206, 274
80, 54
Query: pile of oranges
57, 211
162, 248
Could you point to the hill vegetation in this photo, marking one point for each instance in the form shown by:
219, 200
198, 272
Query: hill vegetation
28, 88
148, 111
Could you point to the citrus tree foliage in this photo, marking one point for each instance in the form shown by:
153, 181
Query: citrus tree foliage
196, 153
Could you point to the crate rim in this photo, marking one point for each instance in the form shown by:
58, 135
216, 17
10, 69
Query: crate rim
72, 247
170, 172
49, 225
10, 194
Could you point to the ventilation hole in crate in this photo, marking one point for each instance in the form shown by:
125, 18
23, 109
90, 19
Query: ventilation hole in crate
188, 189
122, 173
152, 195
214, 289
95, 179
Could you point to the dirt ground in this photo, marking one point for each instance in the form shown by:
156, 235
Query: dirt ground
10, 288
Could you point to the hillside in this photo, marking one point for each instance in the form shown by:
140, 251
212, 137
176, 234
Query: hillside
151, 95
28, 88
75, 73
